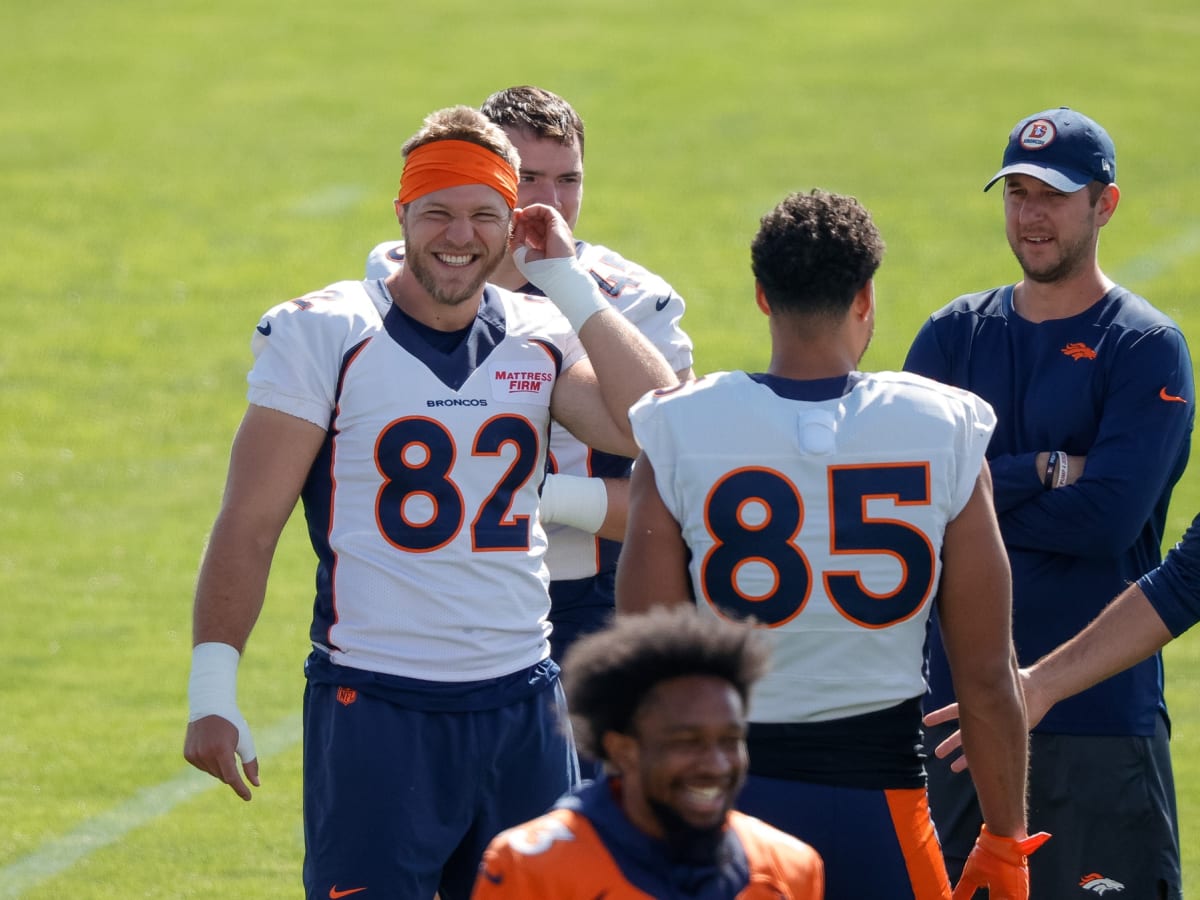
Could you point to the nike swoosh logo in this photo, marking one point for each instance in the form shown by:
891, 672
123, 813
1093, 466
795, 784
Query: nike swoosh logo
661, 303
334, 893
492, 877
1170, 398
264, 330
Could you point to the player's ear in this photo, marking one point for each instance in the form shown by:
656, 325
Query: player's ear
621, 750
863, 304
399, 207
760, 298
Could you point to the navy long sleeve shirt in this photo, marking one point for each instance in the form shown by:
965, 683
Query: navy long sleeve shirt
1113, 383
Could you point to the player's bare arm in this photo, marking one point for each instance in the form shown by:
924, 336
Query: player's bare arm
653, 566
1126, 632
270, 459
616, 515
976, 620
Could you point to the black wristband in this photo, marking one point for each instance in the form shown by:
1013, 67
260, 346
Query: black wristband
1051, 466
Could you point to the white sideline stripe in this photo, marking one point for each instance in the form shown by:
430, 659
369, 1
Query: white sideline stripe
58, 855
334, 199
1148, 266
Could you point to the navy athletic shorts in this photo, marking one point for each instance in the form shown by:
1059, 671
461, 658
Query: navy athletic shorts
403, 801
1108, 801
875, 843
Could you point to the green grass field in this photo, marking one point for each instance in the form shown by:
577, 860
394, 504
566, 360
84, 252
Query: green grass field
170, 170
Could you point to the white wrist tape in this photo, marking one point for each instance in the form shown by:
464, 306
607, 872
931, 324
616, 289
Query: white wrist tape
212, 691
576, 501
567, 283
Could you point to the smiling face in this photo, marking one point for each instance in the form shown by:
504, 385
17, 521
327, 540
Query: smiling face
454, 239
686, 759
1052, 234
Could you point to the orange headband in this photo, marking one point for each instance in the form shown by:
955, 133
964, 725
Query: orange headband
444, 164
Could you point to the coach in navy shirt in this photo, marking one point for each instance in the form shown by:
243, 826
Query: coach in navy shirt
1093, 392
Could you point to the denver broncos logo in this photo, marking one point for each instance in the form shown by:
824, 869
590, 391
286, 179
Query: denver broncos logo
539, 836
1038, 134
1079, 350
1098, 884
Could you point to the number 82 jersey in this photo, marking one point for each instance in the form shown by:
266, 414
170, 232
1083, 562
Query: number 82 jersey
422, 506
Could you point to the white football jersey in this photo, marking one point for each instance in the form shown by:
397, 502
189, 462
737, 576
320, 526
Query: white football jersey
819, 508
655, 309
422, 506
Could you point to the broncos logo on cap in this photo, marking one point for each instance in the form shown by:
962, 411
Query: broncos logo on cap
1037, 134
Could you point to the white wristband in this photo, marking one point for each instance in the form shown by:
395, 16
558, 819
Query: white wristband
1064, 470
574, 500
567, 283
212, 690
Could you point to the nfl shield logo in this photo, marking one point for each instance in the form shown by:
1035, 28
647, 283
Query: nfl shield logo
346, 696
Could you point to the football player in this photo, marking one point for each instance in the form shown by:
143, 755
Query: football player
831, 506
585, 501
661, 698
411, 416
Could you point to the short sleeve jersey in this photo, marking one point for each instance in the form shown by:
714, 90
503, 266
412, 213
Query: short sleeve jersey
422, 504
654, 307
818, 508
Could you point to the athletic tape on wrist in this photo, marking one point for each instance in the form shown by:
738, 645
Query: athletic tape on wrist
212, 690
574, 500
567, 283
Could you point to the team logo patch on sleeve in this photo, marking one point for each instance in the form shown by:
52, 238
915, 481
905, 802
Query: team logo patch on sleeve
525, 382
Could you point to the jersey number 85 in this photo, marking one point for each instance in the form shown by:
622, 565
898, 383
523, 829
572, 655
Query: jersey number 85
757, 565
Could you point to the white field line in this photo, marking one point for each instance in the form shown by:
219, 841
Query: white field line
1148, 266
60, 854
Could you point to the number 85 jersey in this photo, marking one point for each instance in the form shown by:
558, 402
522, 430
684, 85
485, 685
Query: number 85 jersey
422, 505
818, 508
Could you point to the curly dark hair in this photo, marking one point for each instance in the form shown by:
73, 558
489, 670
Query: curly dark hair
608, 674
536, 110
814, 252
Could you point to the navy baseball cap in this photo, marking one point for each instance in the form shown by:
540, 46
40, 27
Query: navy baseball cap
1061, 147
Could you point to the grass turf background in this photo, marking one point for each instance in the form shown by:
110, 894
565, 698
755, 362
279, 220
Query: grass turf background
169, 170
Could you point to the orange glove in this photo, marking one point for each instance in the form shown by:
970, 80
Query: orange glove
999, 864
